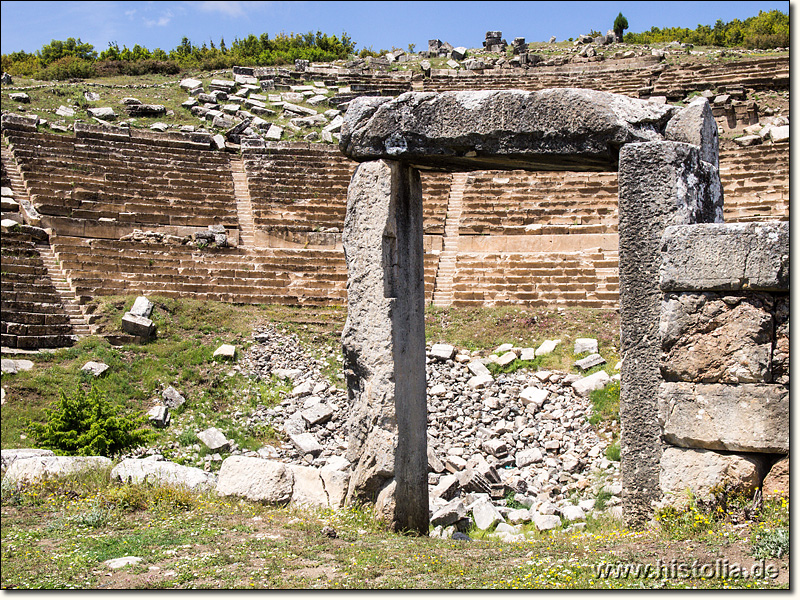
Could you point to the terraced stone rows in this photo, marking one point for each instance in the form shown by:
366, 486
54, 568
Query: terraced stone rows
760, 74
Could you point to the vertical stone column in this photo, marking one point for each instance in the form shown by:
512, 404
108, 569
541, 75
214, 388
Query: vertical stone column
384, 342
660, 184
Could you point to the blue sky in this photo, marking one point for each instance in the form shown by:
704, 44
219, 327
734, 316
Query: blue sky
29, 25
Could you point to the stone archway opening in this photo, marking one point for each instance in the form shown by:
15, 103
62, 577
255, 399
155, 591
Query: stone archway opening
667, 158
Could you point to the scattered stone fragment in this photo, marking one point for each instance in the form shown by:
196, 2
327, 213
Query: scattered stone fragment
214, 439
547, 347
225, 351
159, 416
96, 369
593, 360
595, 381
172, 398
118, 563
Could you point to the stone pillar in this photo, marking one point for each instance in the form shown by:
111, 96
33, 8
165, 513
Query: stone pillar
384, 342
660, 184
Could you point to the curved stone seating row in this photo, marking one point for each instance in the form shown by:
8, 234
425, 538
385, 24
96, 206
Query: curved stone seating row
677, 81
33, 315
586, 279
755, 182
128, 180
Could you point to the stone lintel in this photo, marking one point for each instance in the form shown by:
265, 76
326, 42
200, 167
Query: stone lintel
660, 184
742, 418
555, 129
726, 257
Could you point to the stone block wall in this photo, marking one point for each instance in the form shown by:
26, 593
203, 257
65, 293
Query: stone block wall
723, 400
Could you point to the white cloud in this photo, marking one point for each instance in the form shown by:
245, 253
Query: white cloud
130, 13
231, 9
162, 21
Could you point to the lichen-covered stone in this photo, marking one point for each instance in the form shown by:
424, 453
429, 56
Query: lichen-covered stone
694, 124
564, 128
685, 471
255, 479
710, 337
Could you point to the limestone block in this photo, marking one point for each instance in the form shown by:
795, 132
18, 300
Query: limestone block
172, 398
190, 84
528, 456
476, 367
694, 124
256, 479
776, 483
744, 418
142, 307
715, 338
446, 488
123, 561
442, 351
506, 359
486, 515
685, 469
39, 468
593, 360
573, 513
595, 381
585, 345
96, 369
336, 484
102, 112
722, 257
779, 134
509, 128
145, 470
9, 455
159, 416
320, 413
214, 439
533, 395
450, 513
305, 443
140, 326
225, 351
547, 347
545, 522
308, 488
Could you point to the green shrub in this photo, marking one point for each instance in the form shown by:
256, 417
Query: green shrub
771, 543
613, 452
69, 67
88, 424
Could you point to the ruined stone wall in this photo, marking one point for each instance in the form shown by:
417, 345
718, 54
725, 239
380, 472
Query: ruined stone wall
723, 401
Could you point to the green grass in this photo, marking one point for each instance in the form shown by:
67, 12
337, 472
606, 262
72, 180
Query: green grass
605, 404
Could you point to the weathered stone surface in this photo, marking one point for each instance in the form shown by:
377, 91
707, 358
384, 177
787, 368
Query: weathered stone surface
694, 124
136, 325
102, 112
450, 513
305, 443
159, 416
225, 351
443, 351
776, 483
685, 469
585, 345
96, 369
143, 470
533, 395
573, 513
214, 439
546, 129
319, 413
723, 257
780, 352
9, 455
39, 468
660, 184
744, 418
708, 338
308, 488
142, 307
593, 360
486, 515
384, 337
123, 561
547, 347
172, 398
336, 483
545, 522
256, 479
595, 381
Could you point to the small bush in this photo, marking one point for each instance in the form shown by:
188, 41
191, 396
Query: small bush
771, 543
613, 452
68, 67
605, 404
88, 424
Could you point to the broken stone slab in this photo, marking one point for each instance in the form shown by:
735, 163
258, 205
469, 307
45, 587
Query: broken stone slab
529, 456
225, 351
142, 307
274, 133
533, 395
506, 359
546, 522
480, 381
698, 471
159, 416
124, 561
139, 326
190, 84
9, 455
255, 479
501, 129
443, 351
25, 471
214, 439
172, 398
741, 418
725, 256
161, 472
593, 360
595, 381
486, 514
584, 345
96, 369
306, 443
146, 110
450, 513
20, 97
777, 480
308, 488
572, 513
694, 124
102, 112
300, 110
748, 140
547, 347
476, 367
319, 413
65, 111
779, 134
446, 489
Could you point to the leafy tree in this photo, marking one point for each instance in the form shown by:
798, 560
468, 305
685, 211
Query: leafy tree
71, 47
620, 25
88, 424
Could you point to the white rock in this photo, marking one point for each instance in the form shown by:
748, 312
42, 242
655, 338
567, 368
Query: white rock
442, 351
533, 395
141, 470
547, 347
595, 381
480, 381
39, 468
506, 359
306, 443
214, 439
486, 515
255, 479
585, 345
528, 456
477, 368
503, 348
438, 390
573, 513
118, 563
225, 351
11, 454
545, 522
527, 354
95, 368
